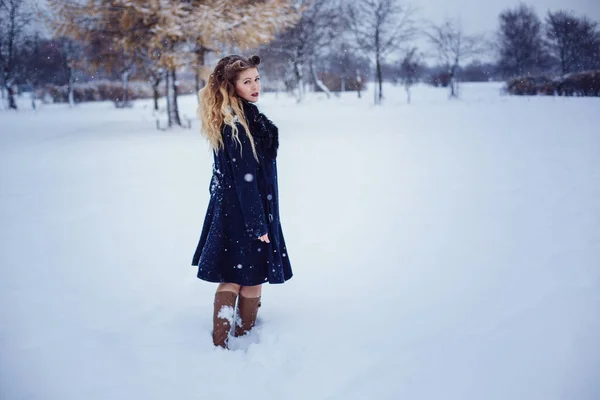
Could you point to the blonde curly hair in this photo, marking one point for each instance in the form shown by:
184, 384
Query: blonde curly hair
219, 103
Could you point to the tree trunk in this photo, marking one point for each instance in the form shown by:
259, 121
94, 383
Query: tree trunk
70, 85
8, 57
378, 65
319, 82
155, 93
197, 84
299, 79
200, 61
32, 87
358, 83
379, 81
12, 104
125, 85
172, 109
375, 91
2, 88
452, 73
407, 87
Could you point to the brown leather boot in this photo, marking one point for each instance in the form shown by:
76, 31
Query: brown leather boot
223, 316
247, 311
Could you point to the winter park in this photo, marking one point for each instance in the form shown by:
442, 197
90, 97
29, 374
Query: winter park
438, 177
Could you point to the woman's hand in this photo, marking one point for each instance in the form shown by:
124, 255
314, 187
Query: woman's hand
264, 238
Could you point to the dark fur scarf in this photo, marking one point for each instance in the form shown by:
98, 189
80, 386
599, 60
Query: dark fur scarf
264, 132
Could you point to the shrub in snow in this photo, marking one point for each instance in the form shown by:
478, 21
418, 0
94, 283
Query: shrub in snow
577, 84
337, 83
440, 80
580, 84
104, 90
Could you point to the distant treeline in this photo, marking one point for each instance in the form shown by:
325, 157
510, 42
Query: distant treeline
306, 45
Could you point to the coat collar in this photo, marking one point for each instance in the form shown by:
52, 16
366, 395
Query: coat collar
263, 130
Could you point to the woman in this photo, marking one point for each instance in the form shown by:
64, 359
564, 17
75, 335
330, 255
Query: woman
241, 245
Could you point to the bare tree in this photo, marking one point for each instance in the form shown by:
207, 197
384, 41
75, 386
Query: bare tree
43, 62
15, 16
521, 46
590, 45
200, 50
72, 53
29, 71
411, 69
235, 24
112, 55
572, 40
303, 43
561, 31
149, 69
349, 65
380, 27
452, 46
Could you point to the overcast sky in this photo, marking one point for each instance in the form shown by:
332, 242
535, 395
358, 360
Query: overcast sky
481, 16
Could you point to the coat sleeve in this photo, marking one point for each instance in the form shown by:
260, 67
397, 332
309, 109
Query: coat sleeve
245, 172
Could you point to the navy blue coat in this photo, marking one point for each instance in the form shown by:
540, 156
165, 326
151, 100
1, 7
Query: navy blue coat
244, 205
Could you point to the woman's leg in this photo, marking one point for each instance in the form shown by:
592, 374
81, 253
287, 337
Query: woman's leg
251, 291
229, 287
248, 303
224, 312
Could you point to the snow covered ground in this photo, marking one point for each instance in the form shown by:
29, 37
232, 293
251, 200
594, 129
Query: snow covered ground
441, 250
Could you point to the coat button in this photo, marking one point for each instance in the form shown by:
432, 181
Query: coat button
270, 217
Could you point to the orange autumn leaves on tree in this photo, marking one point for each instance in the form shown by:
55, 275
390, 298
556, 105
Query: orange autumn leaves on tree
169, 27
171, 34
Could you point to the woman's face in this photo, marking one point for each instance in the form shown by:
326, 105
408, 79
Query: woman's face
247, 85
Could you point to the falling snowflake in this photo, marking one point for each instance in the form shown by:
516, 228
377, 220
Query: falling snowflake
249, 177
283, 255
239, 266
269, 196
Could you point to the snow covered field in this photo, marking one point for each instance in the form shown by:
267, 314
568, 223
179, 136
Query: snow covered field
442, 250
